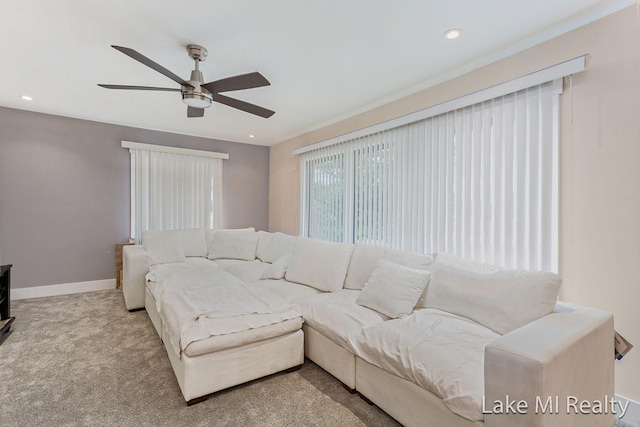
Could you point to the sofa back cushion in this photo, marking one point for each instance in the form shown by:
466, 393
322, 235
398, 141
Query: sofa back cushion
233, 244
209, 232
365, 257
163, 246
363, 262
273, 246
319, 264
393, 289
499, 298
194, 242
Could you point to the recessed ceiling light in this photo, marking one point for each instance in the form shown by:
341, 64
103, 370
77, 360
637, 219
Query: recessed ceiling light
453, 33
251, 136
26, 98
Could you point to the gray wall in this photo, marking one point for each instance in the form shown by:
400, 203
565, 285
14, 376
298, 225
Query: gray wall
64, 193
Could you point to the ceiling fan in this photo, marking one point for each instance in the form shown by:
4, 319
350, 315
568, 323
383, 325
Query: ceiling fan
197, 94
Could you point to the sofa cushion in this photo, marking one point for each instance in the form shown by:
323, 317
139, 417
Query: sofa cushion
337, 316
363, 262
208, 236
440, 352
233, 244
263, 237
365, 256
273, 246
291, 292
247, 271
393, 289
277, 269
163, 247
194, 242
319, 264
499, 298
209, 232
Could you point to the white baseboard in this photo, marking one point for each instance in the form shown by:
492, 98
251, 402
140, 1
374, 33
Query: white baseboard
632, 416
63, 289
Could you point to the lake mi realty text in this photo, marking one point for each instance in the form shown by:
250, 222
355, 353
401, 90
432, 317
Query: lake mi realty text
556, 405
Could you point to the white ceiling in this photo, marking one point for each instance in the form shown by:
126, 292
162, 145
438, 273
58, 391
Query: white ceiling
325, 59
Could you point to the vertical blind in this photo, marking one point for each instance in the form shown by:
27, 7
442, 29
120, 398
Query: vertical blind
174, 191
480, 182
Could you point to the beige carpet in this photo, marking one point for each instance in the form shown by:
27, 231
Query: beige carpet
84, 360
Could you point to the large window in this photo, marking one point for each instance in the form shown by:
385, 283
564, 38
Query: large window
325, 199
479, 181
174, 188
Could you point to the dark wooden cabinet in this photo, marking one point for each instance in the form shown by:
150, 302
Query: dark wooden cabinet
5, 302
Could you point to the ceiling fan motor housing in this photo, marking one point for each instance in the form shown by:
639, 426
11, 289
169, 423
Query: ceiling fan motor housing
196, 96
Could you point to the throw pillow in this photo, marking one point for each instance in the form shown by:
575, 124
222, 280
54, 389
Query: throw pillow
393, 289
277, 269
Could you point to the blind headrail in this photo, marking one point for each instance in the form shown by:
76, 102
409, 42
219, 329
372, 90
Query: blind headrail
174, 150
566, 68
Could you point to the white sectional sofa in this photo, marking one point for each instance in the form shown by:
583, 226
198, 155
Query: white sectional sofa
442, 342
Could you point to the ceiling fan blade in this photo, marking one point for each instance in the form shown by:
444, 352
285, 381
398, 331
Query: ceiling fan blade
243, 106
164, 89
151, 64
195, 112
239, 82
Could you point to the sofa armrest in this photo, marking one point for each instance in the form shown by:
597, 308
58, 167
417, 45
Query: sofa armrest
552, 364
135, 266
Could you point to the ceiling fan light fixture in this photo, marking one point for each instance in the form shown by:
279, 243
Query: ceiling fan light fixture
196, 99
